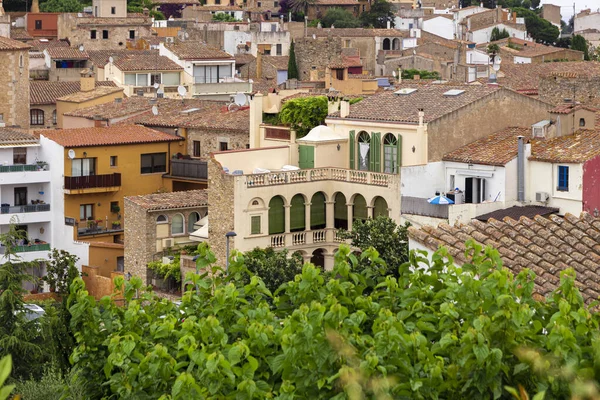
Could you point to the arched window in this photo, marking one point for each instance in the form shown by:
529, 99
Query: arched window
276, 216
390, 154
192, 219
340, 212
396, 44
21, 64
54, 117
36, 117
380, 207
318, 216
297, 214
359, 209
581, 122
386, 44
364, 148
177, 224
161, 219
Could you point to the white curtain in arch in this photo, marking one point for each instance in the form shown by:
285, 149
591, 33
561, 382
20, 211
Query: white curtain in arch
363, 149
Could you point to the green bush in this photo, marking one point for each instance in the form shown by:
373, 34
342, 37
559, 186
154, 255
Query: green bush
50, 386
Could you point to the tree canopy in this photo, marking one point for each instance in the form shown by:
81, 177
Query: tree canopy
498, 34
292, 67
540, 29
340, 18
578, 42
61, 6
436, 330
304, 113
379, 15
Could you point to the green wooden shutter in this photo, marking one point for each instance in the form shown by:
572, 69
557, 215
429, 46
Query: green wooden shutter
276, 216
352, 144
375, 150
381, 207
360, 208
340, 213
306, 158
297, 214
317, 211
399, 154
255, 225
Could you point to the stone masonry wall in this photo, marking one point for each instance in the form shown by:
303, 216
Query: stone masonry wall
221, 205
140, 239
14, 87
48, 111
209, 141
314, 55
248, 71
555, 89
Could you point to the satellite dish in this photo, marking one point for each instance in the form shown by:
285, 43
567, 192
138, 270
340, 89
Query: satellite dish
156, 86
394, 73
81, 48
111, 60
154, 110
181, 90
239, 99
186, 35
71, 154
314, 36
79, 15
251, 80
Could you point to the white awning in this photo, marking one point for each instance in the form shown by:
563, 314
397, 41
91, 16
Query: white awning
200, 235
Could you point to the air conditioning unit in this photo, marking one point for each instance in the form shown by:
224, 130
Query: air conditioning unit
169, 39
541, 197
168, 242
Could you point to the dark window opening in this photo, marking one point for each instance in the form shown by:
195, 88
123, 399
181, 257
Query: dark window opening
222, 146
38, 24
105, 34
563, 178
196, 148
36, 117
581, 122
154, 163
131, 34
93, 34
20, 155
113, 10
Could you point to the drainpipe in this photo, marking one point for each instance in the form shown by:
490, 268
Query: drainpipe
521, 170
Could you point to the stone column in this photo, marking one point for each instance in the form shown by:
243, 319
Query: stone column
350, 215
370, 211
330, 214
328, 261
287, 210
307, 216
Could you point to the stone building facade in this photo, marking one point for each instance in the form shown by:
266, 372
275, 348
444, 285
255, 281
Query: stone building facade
14, 82
314, 55
103, 33
584, 88
210, 141
221, 198
149, 219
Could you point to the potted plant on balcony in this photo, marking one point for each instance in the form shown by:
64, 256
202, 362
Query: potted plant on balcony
42, 165
116, 224
92, 224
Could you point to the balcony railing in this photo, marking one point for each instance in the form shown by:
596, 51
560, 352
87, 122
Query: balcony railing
98, 227
192, 169
294, 239
225, 87
320, 174
28, 248
24, 167
92, 181
24, 209
420, 206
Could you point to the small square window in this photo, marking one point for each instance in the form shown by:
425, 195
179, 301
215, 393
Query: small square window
279, 49
275, 4
113, 10
105, 34
222, 146
93, 34
255, 225
581, 121
259, 4
114, 207
38, 24
113, 161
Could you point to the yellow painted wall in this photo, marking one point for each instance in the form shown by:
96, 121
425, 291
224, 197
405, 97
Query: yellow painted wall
132, 182
104, 256
64, 106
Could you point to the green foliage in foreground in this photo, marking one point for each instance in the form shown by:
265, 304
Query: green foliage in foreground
435, 331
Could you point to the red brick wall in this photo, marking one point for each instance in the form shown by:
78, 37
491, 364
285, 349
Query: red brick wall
591, 185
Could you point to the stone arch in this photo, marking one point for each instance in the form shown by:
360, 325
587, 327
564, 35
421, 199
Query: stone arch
380, 207
192, 219
396, 44
340, 211
297, 213
318, 211
359, 208
276, 215
162, 219
318, 257
387, 44
177, 224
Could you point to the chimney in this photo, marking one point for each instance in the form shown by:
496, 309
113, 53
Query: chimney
87, 81
146, 11
421, 116
388, 24
344, 108
256, 115
35, 6
521, 169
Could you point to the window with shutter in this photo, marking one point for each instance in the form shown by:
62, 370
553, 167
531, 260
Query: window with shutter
318, 211
359, 210
563, 178
255, 225
276, 216
297, 214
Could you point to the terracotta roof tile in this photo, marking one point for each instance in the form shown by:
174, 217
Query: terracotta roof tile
166, 201
567, 246
356, 32
186, 2
20, 34
389, 106
337, 2
145, 62
280, 63
11, 137
243, 59
46, 92
568, 108
190, 50
100, 57
578, 148
40, 45
99, 91
496, 149
10, 44
133, 19
108, 136
66, 53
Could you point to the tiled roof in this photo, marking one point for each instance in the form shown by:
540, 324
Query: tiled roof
540, 50
280, 63
186, 2
10, 44
516, 212
46, 92
191, 50
203, 114
337, 2
577, 148
154, 40
128, 107
392, 107
134, 19
11, 137
356, 32
100, 57
20, 34
40, 45
568, 108
144, 62
264, 86
99, 91
108, 136
170, 200
526, 77
547, 246
496, 149
67, 53
35, 55
243, 59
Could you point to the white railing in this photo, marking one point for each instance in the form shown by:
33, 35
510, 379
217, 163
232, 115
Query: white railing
301, 239
298, 238
278, 241
319, 174
319, 236
337, 238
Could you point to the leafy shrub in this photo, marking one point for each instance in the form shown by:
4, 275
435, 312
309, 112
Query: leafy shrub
50, 386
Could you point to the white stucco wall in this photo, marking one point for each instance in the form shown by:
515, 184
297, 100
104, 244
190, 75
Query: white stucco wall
522, 60
440, 26
543, 177
484, 35
231, 39
422, 180
591, 21
477, 57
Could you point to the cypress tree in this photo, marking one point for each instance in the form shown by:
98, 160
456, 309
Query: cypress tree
292, 67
